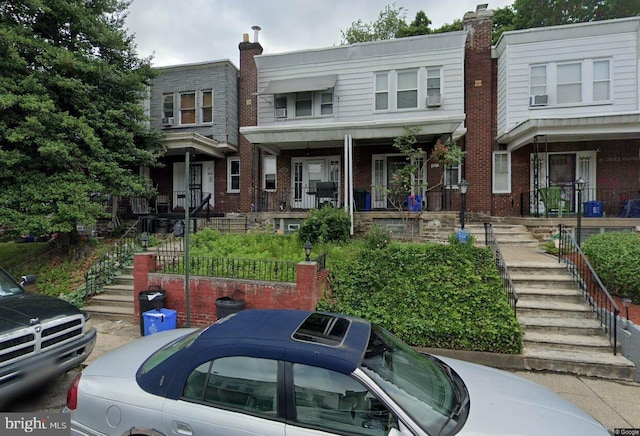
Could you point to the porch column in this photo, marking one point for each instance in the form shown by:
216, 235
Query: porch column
348, 177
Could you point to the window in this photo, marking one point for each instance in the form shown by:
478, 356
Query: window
336, 403
501, 172
188, 108
269, 173
233, 174
601, 81
569, 87
452, 175
303, 104
382, 91
207, 106
407, 89
433, 86
167, 106
281, 107
538, 80
326, 103
241, 383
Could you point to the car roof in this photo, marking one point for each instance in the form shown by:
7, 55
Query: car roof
268, 334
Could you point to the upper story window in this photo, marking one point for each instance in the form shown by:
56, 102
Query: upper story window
382, 91
326, 103
233, 174
188, 108
569, 87
434, 84
570, 83
167, 106
407, 90
304, 103
601, 80
207, 107
269, 173
280, 107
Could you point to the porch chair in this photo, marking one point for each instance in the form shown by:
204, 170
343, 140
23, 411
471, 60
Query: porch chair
140, 206
162, 202
553, 201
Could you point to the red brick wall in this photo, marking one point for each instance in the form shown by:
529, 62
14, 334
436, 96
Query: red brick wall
479, 108
311, 286
248, 116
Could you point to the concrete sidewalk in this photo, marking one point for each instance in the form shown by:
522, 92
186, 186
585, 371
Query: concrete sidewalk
616, 404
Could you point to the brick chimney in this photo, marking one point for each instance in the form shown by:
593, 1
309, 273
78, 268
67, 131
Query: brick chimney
479, 89
248, 116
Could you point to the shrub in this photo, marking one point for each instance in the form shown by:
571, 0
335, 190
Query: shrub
615, 257
327, 224
430, 295
378, 237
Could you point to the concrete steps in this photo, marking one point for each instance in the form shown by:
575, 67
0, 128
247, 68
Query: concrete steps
506, 235
116, 302
561, 332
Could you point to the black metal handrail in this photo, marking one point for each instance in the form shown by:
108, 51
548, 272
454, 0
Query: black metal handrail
594, 292
106, 268
507, 284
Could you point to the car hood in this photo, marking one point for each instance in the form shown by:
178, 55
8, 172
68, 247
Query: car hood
503, 403
20, 310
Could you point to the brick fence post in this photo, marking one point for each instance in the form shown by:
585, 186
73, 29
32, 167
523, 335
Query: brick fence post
307, 284
143, 264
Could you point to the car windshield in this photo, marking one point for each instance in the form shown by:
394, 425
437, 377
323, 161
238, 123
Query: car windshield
425, 387
8, 286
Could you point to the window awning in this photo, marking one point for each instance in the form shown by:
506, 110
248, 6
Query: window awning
300, 84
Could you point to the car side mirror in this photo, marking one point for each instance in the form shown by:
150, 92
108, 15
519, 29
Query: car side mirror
28, 280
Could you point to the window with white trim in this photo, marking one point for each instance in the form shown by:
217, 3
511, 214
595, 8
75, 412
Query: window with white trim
601, 80
569, 83
452, 175
407, 92
233, 174
382, 91
326, 103
538, 80
269, 173
501, 172
188, 108
433, 82
206, 108
304, 103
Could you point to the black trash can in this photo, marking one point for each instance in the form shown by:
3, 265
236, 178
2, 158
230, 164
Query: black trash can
162, 225
227, 305
152, 298
360, 197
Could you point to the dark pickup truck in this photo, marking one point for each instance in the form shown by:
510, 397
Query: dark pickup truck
40, 337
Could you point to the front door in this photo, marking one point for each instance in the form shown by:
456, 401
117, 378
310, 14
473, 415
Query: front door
306, 173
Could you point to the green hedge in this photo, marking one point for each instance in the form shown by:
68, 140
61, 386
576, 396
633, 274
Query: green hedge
429, 295
615, 257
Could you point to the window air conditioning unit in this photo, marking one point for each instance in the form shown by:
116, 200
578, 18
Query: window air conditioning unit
434, 100
167, 121
281, 113
539, 100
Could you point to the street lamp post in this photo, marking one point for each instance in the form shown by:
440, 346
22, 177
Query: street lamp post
307, 251
463, 186
626, 302
579, 187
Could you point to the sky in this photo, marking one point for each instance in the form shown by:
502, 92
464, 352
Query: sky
191, 31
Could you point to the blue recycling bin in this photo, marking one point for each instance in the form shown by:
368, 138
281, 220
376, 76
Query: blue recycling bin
592, 209
463, 236
156, 321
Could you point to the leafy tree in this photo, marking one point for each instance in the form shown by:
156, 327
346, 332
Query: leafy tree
390, 20
419, 26
535, 13
72, 127
503, 20
456, 25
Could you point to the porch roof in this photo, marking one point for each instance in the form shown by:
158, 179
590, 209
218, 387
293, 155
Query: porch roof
178, 142
573, 129
300, 84
284, 136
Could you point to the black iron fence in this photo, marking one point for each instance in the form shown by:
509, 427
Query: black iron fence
507, 285
594, 292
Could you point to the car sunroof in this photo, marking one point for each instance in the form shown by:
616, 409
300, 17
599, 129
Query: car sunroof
322, 328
